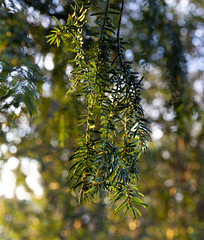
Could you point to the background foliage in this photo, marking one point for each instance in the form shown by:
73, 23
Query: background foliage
166, 42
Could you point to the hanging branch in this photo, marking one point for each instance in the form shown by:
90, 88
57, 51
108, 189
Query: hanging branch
116, 132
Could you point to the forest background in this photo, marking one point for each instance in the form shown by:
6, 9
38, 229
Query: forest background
166, 44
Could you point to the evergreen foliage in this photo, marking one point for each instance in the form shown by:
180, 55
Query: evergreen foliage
19, 75
116, 131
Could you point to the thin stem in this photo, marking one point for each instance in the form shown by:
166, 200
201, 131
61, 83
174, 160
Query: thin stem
105, 17
101, 40
118, 35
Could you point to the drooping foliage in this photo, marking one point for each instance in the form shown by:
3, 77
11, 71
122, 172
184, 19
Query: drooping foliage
116, 131
19, 75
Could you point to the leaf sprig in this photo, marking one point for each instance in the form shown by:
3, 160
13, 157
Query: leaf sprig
116, 130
